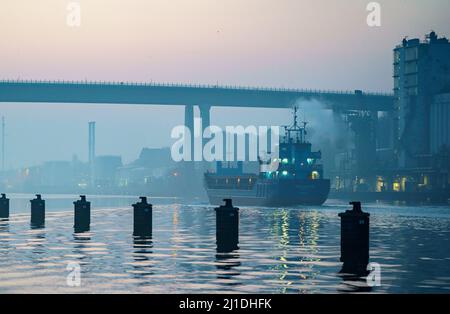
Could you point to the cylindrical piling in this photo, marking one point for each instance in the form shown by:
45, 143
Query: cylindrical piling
142, 218
37, 211
227, 227
82, 219
354, 239
4, 206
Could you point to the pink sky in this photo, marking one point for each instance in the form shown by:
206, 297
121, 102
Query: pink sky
296, 43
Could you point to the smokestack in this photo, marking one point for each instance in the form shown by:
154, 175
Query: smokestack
3, 143
91, 151
91, 142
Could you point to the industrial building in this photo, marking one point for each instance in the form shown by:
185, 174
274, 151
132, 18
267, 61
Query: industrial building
421, 86
403, 154
421, 72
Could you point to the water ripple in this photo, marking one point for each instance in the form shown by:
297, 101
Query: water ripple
280, 251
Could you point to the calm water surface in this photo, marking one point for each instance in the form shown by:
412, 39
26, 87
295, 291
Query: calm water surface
280, 251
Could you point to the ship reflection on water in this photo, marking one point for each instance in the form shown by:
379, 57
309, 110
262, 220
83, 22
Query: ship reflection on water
278, 251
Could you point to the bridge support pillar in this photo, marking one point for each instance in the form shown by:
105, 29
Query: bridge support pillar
189, 123
205, 115
189, 168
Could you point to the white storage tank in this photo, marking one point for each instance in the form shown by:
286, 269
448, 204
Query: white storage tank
440, 123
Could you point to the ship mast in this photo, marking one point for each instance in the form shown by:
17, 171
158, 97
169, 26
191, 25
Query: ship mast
295, 133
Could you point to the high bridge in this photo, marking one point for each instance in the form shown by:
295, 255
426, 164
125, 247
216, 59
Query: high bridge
203, 96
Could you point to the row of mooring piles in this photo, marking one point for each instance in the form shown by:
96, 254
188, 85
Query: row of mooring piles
354, 227
354, 235
142, 212
82, 212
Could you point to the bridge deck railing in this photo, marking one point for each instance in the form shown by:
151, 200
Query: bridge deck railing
183, 85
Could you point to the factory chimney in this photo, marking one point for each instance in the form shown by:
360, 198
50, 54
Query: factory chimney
91, 152
3, 143
91, 142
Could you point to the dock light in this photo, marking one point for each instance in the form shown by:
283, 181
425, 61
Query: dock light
284, 173
285, 161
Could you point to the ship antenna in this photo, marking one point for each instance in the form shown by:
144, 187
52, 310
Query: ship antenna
295, 126
295, 116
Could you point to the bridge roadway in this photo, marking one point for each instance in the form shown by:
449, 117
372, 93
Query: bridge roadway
203, 96
179, 94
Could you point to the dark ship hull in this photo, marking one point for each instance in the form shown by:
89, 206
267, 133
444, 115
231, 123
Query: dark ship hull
271, 193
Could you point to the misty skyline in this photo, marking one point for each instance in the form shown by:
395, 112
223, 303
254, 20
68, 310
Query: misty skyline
297, 44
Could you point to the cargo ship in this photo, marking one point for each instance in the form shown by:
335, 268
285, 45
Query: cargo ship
298, 180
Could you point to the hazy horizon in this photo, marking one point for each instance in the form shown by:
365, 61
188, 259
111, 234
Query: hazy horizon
289, 43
